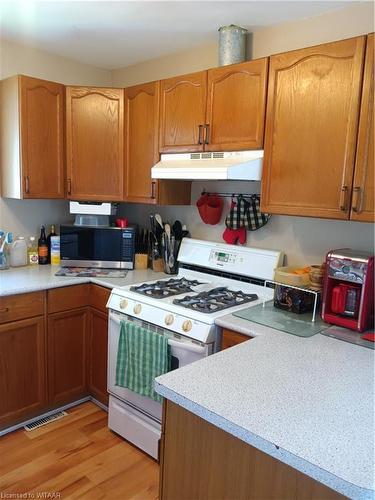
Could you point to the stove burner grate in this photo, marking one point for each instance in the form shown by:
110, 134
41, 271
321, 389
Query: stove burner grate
215, 300
162, 289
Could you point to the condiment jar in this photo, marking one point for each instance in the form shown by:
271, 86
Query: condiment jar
18, 252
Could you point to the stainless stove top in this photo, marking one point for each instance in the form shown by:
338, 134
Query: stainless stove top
167, 288
215, 300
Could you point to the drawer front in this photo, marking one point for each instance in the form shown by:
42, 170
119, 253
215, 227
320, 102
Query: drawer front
231, 339
68, 297
99, 296
22, 306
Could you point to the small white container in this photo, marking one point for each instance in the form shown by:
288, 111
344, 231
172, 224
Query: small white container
18, 252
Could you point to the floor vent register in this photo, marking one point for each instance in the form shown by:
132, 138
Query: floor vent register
45, 420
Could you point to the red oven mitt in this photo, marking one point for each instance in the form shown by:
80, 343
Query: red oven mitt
234, 236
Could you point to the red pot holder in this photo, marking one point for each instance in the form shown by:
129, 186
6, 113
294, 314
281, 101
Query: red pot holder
210, 208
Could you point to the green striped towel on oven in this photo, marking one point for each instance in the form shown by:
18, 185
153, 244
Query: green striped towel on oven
142, 355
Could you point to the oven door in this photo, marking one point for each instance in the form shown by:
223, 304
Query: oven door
183, 350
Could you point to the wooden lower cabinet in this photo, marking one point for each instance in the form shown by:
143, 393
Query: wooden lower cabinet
22, 370
231, 338
97, 357
200, 461
66, 355
52, 353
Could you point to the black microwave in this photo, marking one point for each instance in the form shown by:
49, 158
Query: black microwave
91, 246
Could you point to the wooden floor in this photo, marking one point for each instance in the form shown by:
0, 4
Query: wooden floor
76, 457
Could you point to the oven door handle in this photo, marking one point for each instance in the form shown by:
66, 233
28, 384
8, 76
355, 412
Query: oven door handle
114, 318
172, 342
188, 347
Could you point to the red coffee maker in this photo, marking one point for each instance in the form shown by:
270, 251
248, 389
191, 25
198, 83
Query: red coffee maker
348, 293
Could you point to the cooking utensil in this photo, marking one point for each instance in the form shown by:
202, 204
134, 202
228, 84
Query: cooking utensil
167, 229
177, 230
159, 220
171, 252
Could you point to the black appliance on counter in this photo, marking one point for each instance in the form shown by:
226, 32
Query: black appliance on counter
103, 247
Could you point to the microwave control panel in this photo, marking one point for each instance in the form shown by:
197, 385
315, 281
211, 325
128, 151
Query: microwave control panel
127, 245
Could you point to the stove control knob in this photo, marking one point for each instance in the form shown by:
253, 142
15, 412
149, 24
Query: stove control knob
137, 308
187, 325
123, 304
169, 319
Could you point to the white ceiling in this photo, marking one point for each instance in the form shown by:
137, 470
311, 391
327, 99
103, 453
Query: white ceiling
113, 34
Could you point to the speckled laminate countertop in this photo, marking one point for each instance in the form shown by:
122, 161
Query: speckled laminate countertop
308, 402
31, 279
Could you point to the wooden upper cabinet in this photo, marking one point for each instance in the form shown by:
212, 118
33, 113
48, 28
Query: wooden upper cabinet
182, 112
32, 138
363, 185
141, 141
311, 129
236, 106
95, 143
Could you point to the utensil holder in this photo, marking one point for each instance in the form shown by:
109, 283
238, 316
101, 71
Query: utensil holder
170, 265
158, 265
141, 261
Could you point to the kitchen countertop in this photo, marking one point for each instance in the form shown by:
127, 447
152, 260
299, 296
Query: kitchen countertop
31, 279
308, 402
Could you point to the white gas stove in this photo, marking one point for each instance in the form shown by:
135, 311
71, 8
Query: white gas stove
214, 279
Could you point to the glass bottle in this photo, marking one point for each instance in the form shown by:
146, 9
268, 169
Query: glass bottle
32, 252
42, 247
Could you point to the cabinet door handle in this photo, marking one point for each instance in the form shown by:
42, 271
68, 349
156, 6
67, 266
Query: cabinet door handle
153, 190
208, 133
200, 134
27, 184
357, 199
69, 186
4, 310
343, 198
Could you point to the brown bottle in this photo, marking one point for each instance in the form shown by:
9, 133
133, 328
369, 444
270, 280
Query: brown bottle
42, 247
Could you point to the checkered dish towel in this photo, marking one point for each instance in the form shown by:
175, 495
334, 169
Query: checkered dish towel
142, 356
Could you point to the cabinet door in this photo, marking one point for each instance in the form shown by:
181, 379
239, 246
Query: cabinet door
42, 137
236, 106
66, 346
98, 350
95, 140
231, 338
311, 130
141, 141
22, 370
363, 185
182, 112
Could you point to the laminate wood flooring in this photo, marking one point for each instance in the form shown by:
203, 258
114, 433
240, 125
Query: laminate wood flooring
75, 457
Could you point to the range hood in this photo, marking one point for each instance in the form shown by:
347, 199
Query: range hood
234, 165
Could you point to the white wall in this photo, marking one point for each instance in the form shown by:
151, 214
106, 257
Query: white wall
336, 25
305, 240
21, 59
25, 216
